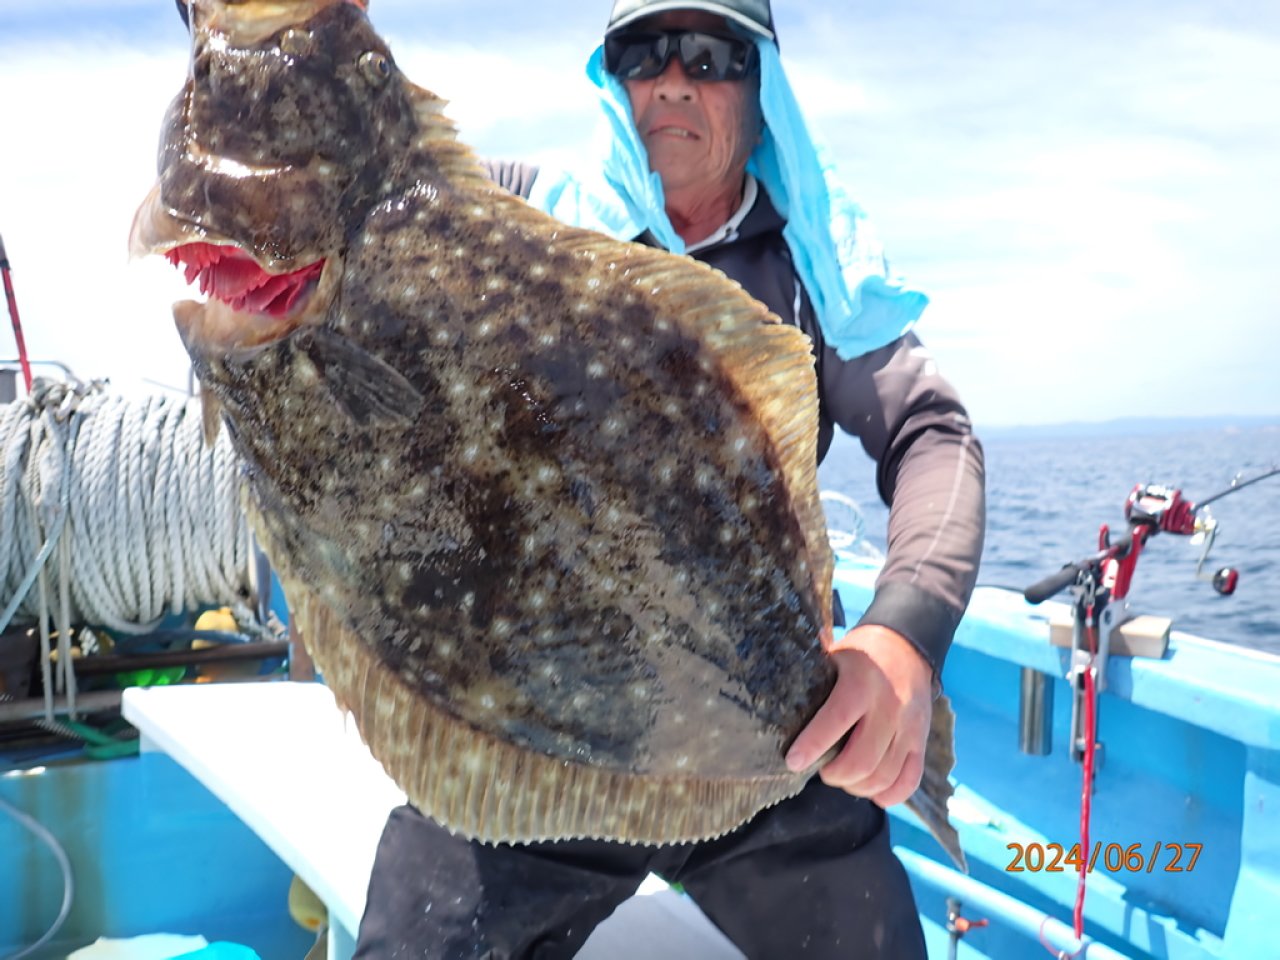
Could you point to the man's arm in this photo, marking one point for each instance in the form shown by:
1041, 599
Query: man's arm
932, 476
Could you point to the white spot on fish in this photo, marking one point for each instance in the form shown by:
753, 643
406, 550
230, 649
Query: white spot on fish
487, 701
470, 453
704, 478
595, 369
548, 474
740, 444
608, 584
593, 282
726, 535
537, 271
546, 340
495, 283
537, 600
682, 762
501, 627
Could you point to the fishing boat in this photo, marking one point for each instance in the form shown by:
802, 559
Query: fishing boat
190, 788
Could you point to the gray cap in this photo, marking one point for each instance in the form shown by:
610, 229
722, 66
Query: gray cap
753, 15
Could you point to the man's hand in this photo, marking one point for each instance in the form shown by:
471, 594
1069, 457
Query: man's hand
884, 693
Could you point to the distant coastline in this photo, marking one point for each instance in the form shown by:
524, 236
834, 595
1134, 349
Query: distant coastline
1130, 426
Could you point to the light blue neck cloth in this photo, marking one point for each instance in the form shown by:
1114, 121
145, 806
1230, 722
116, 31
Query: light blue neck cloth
834, 247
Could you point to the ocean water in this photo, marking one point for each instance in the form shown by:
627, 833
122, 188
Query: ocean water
1048, 492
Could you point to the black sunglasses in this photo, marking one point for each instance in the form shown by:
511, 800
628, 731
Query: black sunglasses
643, 54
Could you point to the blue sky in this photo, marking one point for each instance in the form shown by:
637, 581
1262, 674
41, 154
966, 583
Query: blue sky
1087, 191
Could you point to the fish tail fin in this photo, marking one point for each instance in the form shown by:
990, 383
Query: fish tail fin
929, 802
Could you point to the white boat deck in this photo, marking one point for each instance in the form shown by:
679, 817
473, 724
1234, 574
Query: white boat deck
293, 768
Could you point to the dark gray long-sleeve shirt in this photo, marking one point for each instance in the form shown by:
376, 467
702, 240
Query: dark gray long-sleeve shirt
910, 420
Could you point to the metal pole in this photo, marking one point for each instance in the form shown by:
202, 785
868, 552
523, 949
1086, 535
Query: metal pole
1035, 716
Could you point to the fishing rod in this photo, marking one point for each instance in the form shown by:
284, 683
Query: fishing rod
1238, 484
1150, 509
13, 316
1100, 587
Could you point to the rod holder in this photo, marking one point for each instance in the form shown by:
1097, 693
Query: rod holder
1035, 713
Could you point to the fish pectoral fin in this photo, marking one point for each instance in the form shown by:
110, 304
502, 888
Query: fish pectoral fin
365, 388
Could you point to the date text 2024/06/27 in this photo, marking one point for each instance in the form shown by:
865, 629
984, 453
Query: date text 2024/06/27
1112, 857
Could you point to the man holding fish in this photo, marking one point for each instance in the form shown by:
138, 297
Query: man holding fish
544, 503
813, 876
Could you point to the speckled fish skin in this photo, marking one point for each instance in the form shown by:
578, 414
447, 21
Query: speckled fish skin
545, 505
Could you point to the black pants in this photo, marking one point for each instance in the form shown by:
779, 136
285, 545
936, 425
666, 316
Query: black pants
813, 877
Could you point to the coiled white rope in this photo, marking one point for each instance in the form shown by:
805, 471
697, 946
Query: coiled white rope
145, 519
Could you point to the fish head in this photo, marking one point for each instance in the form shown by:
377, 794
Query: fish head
289, 129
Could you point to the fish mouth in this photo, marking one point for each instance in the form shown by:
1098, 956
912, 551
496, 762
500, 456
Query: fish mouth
229, 274
252, 301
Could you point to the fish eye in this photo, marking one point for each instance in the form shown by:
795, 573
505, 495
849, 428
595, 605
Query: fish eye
375, 67
295, 42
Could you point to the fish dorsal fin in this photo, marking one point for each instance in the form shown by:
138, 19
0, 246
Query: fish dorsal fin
770, 364
438, 137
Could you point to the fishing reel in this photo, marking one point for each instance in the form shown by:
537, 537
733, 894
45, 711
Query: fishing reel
1162, 508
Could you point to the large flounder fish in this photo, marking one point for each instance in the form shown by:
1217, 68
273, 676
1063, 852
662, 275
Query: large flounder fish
544, 504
